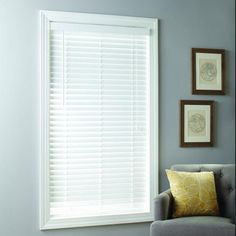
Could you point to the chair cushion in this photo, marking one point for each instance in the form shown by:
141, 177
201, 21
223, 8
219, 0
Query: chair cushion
194, 226
194, 193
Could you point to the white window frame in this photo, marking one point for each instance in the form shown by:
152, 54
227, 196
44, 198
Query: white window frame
149, 23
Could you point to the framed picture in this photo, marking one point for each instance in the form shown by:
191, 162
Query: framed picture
208, 71
196, 123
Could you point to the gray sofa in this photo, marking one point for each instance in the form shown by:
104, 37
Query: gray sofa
223, 225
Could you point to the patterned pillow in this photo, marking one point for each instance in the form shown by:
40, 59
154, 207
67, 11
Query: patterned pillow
194, 193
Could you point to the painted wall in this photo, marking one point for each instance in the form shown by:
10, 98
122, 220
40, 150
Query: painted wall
183, 24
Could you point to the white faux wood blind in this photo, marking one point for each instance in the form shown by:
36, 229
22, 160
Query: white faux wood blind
99, 123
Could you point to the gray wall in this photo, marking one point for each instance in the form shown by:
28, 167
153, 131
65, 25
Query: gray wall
183, 24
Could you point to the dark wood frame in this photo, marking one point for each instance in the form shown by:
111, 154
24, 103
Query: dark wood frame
196, 102
208, 92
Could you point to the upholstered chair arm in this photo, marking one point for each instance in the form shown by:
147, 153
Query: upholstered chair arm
163, 205
233, 204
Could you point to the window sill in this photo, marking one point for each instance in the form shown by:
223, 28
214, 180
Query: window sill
96, 221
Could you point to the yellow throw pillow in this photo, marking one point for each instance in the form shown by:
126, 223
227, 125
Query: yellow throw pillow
194, 193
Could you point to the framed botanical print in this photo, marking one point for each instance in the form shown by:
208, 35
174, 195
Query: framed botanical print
196, 123
208, 71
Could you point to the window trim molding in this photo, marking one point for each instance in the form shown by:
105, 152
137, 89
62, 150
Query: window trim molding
151, 23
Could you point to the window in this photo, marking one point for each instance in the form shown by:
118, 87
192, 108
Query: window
99, 119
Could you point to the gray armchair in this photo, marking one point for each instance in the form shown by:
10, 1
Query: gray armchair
223, 225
